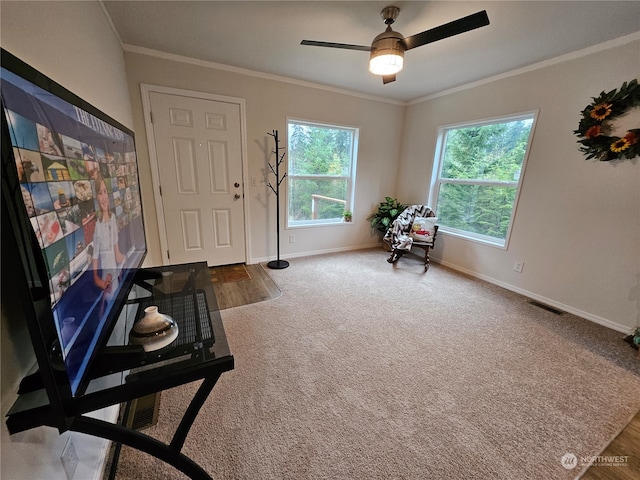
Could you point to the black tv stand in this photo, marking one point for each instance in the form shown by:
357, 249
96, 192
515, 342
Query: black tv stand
123, 373
112, 359
171, 452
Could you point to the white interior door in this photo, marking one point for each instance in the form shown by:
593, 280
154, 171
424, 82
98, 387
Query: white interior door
198, 146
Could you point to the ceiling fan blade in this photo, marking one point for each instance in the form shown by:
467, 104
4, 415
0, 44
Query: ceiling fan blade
388, 79
465, 24
346, 46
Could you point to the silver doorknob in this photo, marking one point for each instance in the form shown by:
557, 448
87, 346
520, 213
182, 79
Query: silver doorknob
236, 196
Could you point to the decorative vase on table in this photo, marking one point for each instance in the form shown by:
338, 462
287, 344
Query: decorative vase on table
154, 330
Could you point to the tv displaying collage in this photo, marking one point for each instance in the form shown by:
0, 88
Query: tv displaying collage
58, 176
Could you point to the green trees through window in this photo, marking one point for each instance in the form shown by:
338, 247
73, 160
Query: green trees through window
479, 175
321, 170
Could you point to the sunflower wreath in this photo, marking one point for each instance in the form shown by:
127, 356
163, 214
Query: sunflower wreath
596, 124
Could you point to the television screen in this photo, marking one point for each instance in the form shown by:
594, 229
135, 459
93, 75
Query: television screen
79, 181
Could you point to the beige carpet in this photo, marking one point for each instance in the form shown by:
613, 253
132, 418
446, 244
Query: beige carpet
364, 370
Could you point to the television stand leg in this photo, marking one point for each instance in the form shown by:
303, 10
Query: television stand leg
139, 441
169, 453
192, 412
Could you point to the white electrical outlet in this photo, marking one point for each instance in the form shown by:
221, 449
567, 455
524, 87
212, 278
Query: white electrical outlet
292, 238
518, 266
69, 459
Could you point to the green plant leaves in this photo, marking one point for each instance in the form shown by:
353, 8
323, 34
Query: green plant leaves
386, 214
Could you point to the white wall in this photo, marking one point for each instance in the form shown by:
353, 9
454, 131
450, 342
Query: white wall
577, 226
268, 104
72, 43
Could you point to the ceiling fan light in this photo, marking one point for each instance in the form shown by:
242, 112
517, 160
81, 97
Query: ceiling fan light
386, 63
387, 53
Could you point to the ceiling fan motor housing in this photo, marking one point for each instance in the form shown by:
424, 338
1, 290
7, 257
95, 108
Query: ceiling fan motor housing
387, 47
389, 14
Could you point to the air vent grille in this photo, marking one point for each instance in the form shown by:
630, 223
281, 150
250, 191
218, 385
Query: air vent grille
143, 412
548, 308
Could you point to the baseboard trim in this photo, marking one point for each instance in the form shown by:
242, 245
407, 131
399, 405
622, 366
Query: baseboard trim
534, 296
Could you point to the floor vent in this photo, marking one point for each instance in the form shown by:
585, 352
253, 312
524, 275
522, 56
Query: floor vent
548, 308
143, 412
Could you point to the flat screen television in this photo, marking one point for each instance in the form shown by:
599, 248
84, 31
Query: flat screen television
75, 208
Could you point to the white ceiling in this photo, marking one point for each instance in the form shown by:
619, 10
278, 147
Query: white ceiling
264, 36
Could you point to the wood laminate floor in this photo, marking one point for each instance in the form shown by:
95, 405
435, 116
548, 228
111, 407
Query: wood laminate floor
258, 288
626, 446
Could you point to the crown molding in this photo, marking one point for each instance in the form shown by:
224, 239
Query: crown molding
617, 42
253, 73
624, 40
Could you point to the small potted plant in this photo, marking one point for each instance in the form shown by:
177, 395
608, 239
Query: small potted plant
347, 216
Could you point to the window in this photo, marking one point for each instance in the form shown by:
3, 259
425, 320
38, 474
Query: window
321, 173
477, 174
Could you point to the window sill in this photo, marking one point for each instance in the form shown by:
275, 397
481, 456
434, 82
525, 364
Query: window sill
484, 240
326, 223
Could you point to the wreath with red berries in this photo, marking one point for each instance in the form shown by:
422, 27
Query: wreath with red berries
595, 125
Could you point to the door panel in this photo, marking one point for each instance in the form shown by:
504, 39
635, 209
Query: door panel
199, 154
219, 167
222, 227
191, 230
185, 164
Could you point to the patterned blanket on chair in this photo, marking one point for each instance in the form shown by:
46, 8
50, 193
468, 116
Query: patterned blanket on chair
398, 233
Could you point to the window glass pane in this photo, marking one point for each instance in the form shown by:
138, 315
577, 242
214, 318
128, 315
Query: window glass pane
321, 172
480, 209
316, 198
318, 150
486, 152
477, 176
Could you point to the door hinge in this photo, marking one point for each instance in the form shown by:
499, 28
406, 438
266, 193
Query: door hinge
160, 189
151, 116
168, 256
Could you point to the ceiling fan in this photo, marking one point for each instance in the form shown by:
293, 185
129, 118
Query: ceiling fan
387, 49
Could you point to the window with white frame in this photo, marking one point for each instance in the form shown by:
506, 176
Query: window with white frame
477, 175
321, 172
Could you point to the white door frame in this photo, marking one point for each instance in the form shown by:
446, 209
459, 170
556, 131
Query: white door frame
146, 90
